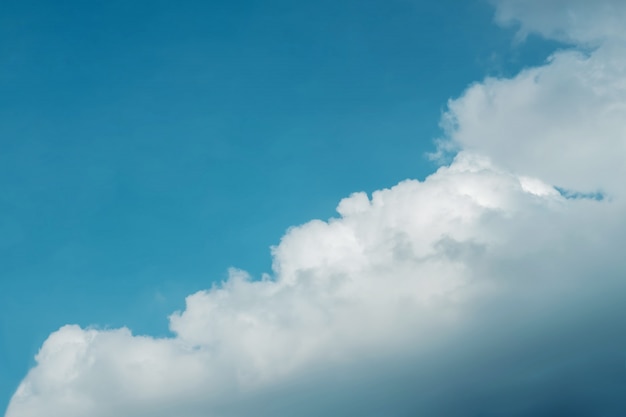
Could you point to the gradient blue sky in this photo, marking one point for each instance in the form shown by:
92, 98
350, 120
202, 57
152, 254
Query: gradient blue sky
147, 146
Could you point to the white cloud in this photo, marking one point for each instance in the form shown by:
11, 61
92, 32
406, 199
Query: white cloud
478, 290
562, 122
397, 276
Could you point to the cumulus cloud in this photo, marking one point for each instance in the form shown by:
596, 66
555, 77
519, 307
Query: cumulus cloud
400, 300
562, 122
481, 290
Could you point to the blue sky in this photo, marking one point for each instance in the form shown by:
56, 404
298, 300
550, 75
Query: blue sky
146, 147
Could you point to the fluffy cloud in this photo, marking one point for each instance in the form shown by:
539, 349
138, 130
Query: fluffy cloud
479, 291
562, 122
398, 301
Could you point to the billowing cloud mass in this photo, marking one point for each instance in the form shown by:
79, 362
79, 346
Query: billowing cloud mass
481, 291
562, 122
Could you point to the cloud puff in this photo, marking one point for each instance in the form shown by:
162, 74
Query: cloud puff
479, 291
562, 122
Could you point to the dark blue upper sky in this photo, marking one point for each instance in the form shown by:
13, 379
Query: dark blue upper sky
147, 146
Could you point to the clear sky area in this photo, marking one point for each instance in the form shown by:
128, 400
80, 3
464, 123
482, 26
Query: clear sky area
146, 147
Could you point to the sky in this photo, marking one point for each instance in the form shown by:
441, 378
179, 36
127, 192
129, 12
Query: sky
332, 208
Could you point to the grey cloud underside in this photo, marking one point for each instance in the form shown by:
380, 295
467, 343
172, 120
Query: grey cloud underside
554, 369
552, 344
481, 291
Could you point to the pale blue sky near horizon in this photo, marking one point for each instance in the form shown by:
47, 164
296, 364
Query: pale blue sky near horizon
146, 147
